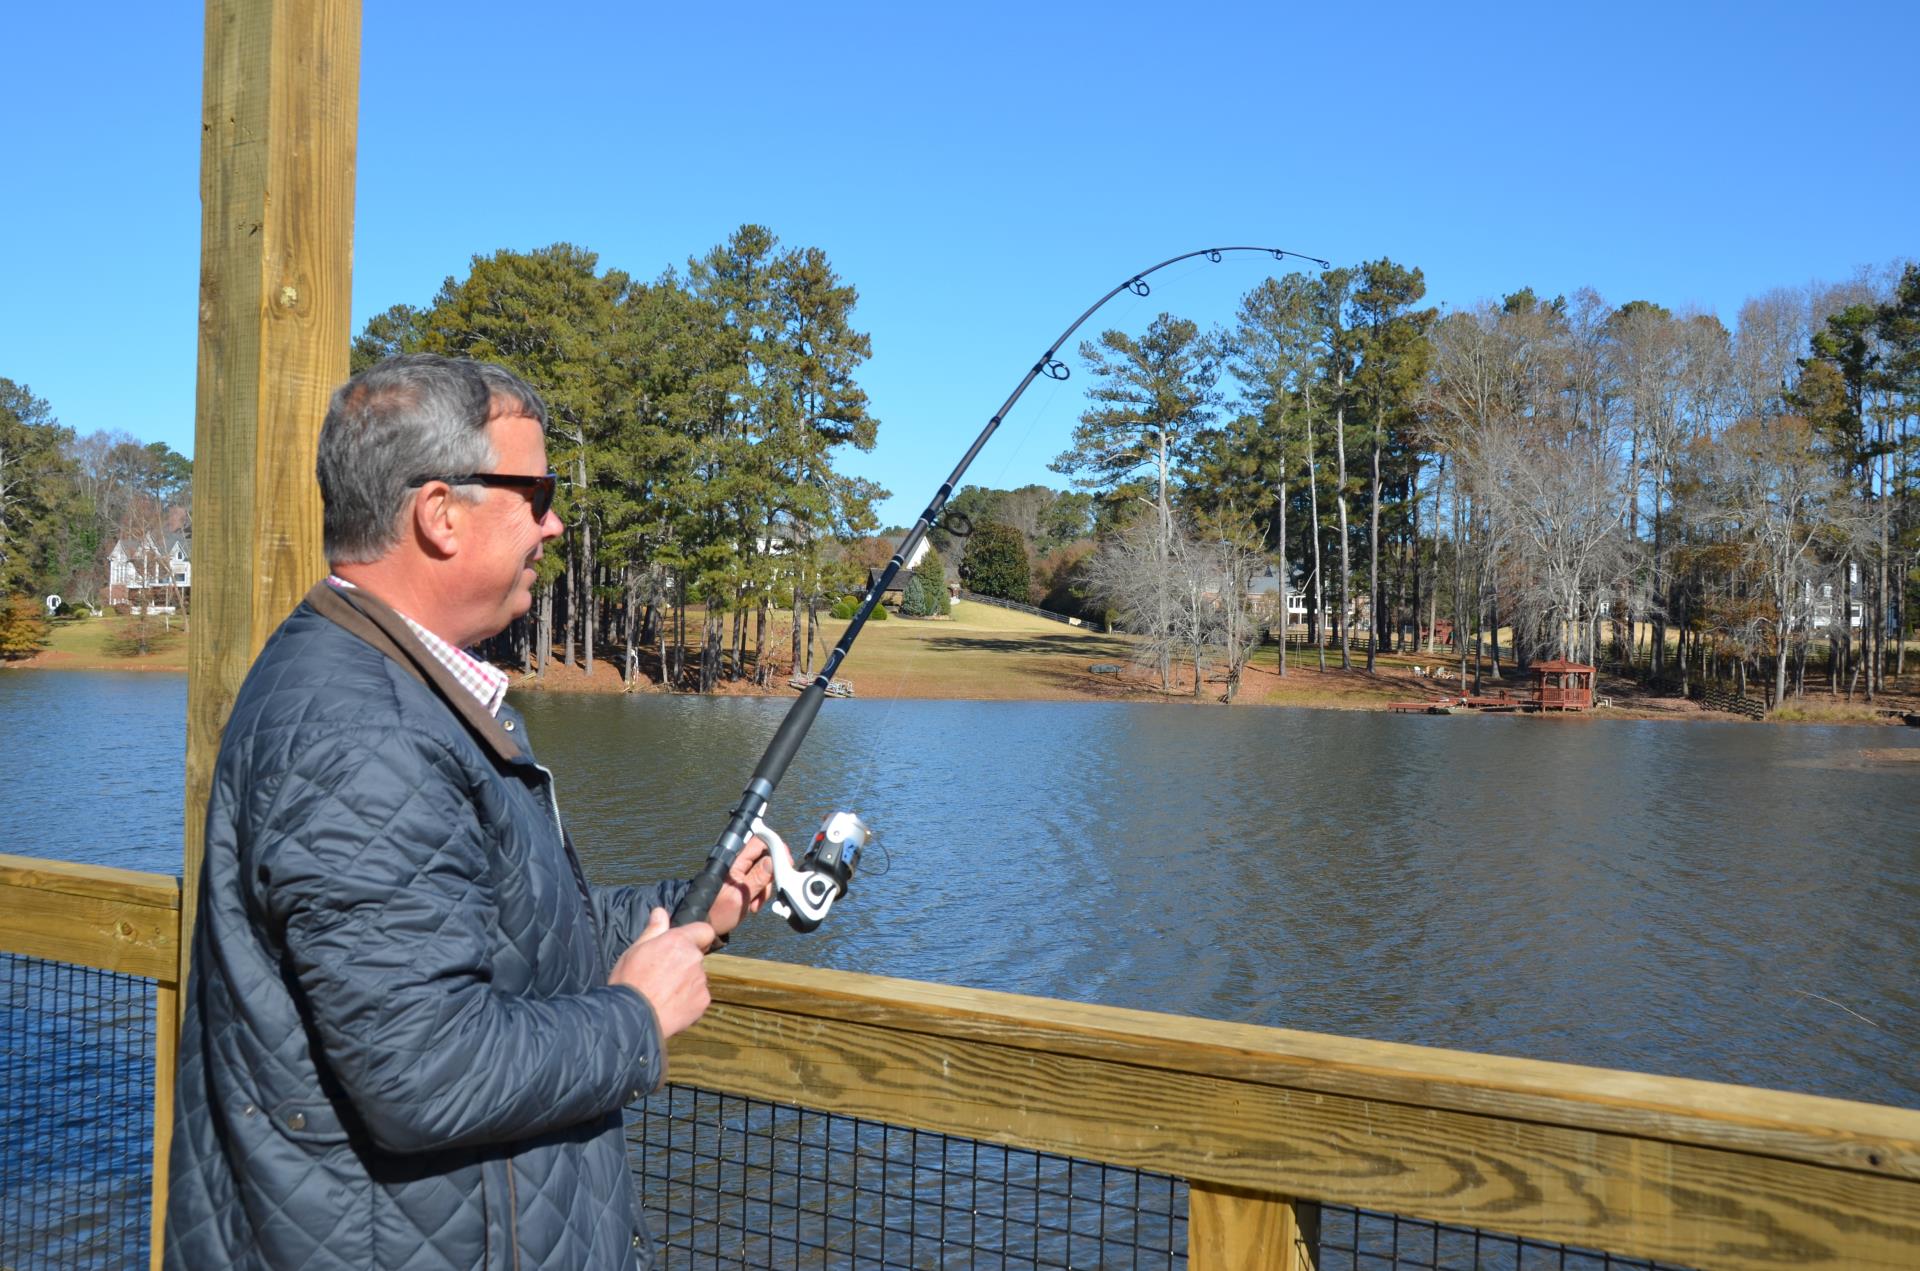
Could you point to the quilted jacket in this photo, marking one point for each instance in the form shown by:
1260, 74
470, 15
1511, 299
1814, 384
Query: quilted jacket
399, 1048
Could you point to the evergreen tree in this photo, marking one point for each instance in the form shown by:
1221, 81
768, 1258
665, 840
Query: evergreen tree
996, 563
548, 316
1275, 357
1393, 349
36, 482
387, 334
925, 595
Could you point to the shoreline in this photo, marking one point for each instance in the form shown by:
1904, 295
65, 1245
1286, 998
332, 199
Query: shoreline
1659, 710
1002, 656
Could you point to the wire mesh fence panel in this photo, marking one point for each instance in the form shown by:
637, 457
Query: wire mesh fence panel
76, 1120
1362, 1240
731, 1182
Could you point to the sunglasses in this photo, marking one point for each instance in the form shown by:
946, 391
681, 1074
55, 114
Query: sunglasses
539, 490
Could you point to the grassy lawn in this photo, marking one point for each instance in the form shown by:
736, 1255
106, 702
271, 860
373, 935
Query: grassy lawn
980, 652
83, 646
987, 653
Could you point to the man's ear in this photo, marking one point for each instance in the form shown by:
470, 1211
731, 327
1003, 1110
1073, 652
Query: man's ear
439, 517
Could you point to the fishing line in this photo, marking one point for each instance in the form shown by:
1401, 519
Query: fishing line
807, 886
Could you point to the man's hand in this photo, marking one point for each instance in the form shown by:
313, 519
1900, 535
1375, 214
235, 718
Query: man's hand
666, 966
749, 886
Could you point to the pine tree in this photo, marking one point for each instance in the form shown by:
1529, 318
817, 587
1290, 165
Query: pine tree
1393, 366
1152, 404
548, 316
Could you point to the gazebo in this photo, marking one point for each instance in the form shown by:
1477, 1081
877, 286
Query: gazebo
1562, 686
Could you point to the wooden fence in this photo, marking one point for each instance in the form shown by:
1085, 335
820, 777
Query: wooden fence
1262, 1123
1033, 611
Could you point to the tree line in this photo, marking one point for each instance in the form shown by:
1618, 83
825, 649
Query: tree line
1520, 478
65, 499
1616, 483
694, 421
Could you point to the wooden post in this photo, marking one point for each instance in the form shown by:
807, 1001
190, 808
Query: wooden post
166, 1032
278, 118
276, 189
1232, 1229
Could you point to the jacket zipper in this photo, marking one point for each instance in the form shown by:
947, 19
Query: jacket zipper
566, 845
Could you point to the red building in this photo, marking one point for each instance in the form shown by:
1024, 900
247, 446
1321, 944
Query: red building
1562, 686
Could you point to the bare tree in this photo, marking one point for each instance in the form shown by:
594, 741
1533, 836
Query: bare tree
1134, 575
1556, 494
1770, 490
1182, 593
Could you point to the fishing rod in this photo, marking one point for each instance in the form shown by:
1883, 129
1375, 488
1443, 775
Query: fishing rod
805, 889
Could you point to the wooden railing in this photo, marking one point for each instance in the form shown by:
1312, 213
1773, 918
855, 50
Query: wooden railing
1263, 1123
111, 920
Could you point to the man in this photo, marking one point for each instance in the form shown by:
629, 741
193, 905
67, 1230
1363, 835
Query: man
411, 1024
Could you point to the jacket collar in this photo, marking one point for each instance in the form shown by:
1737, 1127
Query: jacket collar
375, 622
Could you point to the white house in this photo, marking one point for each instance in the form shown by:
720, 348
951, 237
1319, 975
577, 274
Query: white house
149, 574
1824, 608
1264, 589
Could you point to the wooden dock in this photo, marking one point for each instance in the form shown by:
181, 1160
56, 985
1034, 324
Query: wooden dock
1463, 705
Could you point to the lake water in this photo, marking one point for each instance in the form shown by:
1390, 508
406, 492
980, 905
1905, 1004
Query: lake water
1724, 901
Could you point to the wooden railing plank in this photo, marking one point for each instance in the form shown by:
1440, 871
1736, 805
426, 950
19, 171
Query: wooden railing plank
110, 919
102, 882
1702, 1206
1867, 1137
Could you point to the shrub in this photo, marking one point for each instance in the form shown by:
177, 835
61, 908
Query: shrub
138, 636
23, 630
995, 563
845, 609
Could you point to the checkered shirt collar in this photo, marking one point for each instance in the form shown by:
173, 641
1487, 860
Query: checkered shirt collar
487, 683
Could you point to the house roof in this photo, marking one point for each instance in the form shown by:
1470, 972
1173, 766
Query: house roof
177, 547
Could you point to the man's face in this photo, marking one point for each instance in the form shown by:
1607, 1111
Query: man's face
506, 540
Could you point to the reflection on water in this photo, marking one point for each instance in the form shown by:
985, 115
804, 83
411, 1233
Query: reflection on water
1722, 901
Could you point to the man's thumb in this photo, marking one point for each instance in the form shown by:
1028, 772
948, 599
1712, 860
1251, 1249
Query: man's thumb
656, 923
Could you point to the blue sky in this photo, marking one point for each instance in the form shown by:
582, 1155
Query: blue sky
981, 172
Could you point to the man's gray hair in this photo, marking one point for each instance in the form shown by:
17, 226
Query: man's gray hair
417, 415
